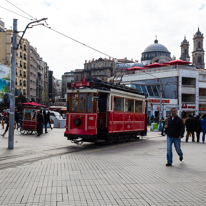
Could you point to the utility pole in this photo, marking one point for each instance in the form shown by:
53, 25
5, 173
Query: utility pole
15, 47
12, 88
160, 113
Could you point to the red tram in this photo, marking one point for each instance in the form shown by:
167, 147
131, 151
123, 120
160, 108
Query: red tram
100, 111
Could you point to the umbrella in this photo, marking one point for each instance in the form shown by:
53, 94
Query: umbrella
33, 104
178, 62
154, 65
135, 68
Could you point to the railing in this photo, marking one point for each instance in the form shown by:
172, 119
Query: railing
202, 97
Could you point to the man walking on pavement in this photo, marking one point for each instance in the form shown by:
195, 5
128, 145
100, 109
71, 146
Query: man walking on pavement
39, 123
175, 131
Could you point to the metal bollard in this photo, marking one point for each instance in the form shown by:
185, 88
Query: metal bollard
15, 125
59, 125
2, 122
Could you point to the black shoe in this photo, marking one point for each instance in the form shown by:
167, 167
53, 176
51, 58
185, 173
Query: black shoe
186, 140
193, 140
181, 159
169, 164
46, 132
51, 128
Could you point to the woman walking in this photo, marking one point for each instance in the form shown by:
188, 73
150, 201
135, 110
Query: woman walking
7, 124
203, 124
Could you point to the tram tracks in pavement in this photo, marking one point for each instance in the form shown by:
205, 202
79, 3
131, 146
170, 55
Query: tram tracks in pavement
28, 157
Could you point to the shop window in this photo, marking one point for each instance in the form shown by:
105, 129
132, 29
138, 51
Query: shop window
118, 104
129, 105
138, 106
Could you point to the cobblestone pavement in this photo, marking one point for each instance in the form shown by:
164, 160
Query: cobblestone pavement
131, 173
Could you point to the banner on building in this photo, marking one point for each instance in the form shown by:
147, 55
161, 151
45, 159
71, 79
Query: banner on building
4, 82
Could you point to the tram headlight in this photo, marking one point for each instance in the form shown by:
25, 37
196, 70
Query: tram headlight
77, 122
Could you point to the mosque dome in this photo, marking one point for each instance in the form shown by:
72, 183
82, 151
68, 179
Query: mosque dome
153, 51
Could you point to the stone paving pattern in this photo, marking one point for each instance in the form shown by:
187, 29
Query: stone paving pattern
131, 173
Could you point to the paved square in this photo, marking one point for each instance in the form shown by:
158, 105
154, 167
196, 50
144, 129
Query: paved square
132, 173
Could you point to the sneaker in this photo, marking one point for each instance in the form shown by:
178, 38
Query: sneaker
181, 159
169, 164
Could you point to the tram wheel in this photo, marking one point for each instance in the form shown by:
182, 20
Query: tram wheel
22, 130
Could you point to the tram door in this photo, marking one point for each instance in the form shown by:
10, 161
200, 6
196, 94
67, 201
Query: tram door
102, 111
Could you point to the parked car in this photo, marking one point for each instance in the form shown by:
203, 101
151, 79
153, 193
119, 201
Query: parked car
55, 115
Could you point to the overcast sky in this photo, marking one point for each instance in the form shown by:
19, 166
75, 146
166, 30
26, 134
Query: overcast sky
119, 28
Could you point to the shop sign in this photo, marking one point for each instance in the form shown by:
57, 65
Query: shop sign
164, 101
188, 106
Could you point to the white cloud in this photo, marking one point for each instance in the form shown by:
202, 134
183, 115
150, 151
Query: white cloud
120, 28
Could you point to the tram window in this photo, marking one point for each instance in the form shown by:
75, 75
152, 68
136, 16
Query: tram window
94, 103
27, 114
138, 106
74, 102
82, 102
118, 104
129, 105
89, 103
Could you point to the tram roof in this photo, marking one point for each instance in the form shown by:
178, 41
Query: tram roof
103, 85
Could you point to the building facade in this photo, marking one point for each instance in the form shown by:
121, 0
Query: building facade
21, 57
99, 68
184, 87
66, 77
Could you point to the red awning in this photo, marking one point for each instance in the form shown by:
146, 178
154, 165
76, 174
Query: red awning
178, 62
135, 68
154, 65
33, 104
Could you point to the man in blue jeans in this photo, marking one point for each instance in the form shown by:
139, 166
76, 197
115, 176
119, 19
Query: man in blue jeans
175, 131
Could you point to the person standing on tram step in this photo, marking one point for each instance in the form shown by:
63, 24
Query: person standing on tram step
198, 127
175, 131
45, 120
39, 123
203, 124
49, 121
190, 127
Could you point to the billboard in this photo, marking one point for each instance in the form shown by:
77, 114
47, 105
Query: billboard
4, 81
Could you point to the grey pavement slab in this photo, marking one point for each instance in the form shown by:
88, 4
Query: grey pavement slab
132, 173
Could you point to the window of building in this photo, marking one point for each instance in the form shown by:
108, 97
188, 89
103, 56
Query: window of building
155, 91
138, 106
118, 104
199, 44
149, 88
199, 59
89, 103
129, 105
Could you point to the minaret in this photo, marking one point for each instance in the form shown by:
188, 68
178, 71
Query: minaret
185, 50
198, 51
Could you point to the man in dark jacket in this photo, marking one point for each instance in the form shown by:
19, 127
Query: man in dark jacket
39, 123
190, 127
198, 127
175, 131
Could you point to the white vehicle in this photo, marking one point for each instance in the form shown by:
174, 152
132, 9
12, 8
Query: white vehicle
55, 115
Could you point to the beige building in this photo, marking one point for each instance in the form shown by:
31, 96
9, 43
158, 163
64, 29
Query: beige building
21, 57
99, 68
